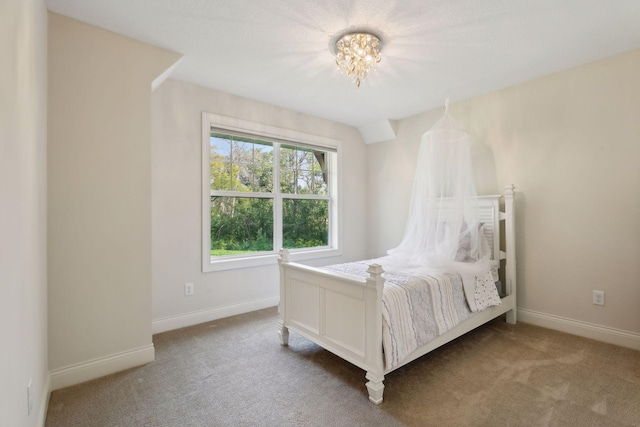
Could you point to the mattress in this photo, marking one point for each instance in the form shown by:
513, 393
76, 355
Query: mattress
416, 309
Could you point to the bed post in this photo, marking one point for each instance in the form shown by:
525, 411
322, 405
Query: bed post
510, 267
283, 331
373, 333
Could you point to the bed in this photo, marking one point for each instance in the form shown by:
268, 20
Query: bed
343, 313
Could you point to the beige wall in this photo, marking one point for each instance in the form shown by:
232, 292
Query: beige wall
124, 212
177, 205
570, 143
99, 176
23, 210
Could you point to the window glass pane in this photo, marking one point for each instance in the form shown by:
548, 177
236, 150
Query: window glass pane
305, 223
241, 164
262, 168
319, 183
303, 170
241, 225
305, 160
220, 155
287, 169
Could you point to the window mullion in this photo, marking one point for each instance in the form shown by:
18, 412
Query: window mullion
244, 194
306, 196
277, 200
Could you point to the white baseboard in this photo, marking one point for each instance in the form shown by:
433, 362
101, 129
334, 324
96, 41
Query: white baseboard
201, 316
44, 401
583, 329
96, 368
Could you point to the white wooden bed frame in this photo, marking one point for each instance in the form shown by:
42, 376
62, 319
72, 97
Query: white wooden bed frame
343, 313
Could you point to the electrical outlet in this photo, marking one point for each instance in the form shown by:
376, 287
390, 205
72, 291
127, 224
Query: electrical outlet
29, 397
188, 289
598, 297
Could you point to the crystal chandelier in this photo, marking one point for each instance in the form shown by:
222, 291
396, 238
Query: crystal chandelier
357, 54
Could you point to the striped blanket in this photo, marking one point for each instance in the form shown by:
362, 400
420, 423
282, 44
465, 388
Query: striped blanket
415, 310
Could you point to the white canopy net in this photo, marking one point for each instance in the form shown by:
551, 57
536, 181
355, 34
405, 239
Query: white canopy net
443, 230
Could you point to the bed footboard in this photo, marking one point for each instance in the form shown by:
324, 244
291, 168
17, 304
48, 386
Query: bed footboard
341, 313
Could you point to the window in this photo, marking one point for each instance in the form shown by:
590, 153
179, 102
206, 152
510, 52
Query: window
266, 188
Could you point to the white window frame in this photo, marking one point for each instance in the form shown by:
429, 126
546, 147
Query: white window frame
219, 123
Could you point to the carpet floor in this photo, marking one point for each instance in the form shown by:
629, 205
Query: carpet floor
234, 372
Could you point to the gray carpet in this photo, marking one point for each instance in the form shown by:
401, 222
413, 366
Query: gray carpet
233, 372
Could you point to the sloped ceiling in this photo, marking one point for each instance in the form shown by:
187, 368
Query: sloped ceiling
278, 51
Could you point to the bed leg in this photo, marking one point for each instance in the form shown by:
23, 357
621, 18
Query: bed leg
512, 317
283, 333
375, 387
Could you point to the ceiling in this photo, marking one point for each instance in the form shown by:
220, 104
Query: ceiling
278, 51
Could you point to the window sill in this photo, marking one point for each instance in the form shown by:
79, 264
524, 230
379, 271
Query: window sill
268, 259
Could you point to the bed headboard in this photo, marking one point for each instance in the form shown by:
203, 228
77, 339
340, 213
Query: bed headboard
490, 218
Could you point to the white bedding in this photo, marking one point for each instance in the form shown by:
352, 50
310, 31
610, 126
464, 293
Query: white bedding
417, 309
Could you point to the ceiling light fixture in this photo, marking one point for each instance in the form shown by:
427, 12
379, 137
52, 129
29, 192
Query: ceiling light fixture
357, 54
